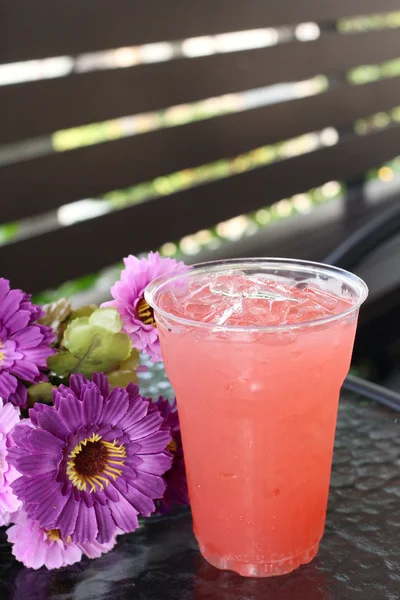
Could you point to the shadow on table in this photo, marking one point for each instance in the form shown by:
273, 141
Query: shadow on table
308, 583
120, 576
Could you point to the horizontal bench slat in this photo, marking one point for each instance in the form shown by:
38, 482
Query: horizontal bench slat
88, 246
41, 107
46, 28
45, 183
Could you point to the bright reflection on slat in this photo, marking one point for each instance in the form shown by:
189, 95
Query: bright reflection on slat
263, 216
126, 57
198, 46
81, 211
246, 40
151, 53
118, 58
330, 189
233, 229
385, 174
189, 245
302, 203
169, 249
33, 70
299, 145
329, 136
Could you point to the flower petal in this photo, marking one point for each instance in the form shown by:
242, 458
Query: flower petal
39, 355
35, 412
10, 304
25, 369
107, 526
70, 410
102, 383
4, 289
9, 417
95, 549
115, 407
34, 490
92, 404
76, 383
54, 556
87, 498
111, 493
20, 396
28, 337
67, 520
145, 427
86, 525
124, 515
139, 408
18, 320
50, 420
20, 436
44, 442
157, 464
37, 464
72, 554
48, 511
156, 442
141, 502
148, 483
8, 384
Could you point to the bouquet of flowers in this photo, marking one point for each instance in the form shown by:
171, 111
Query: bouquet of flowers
83, 455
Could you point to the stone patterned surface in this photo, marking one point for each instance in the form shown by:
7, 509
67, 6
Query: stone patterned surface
359, 557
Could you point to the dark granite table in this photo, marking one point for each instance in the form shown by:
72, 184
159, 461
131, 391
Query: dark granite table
359, 556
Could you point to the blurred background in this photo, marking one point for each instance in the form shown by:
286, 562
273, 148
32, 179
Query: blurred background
203, 130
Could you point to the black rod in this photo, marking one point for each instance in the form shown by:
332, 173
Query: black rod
372, 391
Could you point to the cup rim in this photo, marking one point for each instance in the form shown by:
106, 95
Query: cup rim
282, 263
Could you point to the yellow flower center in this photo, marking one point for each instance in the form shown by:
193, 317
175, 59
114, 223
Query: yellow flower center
94, 462
53, 535
146, 313
172, 446
2, 354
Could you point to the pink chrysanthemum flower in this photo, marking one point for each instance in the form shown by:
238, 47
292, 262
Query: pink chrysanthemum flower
92, 462
9, 503
35, 547
128, 293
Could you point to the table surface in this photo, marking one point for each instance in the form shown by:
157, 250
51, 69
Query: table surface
359, 555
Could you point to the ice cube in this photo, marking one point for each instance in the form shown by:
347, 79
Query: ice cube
232, 298
321, 298
250, 287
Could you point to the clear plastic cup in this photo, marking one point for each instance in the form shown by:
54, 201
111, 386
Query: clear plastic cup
256, 351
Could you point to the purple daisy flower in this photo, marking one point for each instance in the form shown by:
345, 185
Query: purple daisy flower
35, 547
176, 491
24, 344
128, 293
9, 503
91, 463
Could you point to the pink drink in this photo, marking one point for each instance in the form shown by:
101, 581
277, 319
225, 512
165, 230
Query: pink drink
257, 351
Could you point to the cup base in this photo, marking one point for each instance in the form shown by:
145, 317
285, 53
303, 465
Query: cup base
272, 569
